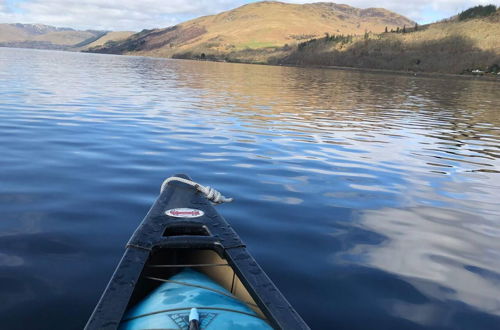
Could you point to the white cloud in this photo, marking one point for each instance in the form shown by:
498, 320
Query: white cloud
431, 247
112, 14
138, 15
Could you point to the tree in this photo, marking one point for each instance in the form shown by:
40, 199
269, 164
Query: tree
477, 11
416, 26
404, 28
397, 29
386, 29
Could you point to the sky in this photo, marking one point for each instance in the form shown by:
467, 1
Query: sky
135, 15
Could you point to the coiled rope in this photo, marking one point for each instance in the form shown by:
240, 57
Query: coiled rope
210, 193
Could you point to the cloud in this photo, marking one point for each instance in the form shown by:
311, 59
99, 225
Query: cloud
138, 15
434, 248
110, 14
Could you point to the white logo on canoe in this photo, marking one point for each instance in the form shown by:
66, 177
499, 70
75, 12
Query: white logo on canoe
184, 213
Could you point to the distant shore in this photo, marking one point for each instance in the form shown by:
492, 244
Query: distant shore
486, 77
404, 73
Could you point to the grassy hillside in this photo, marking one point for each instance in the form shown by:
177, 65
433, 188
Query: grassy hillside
455, 46
256, 26
11, 33
50, 37
111, 36
42, 36
66, 38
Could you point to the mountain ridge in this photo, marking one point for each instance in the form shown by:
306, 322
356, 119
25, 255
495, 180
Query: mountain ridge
43, 36
254, 26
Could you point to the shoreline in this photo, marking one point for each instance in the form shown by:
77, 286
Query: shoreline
399, 72
359, 69
329, 67
344, 68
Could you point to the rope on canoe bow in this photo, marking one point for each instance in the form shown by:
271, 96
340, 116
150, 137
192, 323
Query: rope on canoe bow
209, 192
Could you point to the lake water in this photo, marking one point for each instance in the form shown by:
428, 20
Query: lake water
371, 200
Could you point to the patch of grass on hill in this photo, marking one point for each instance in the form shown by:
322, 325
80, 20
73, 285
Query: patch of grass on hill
257, 44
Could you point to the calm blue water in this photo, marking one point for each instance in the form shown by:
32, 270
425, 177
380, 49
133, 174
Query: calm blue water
371, 200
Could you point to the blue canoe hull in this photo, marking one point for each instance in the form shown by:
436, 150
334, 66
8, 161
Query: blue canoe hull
169, 305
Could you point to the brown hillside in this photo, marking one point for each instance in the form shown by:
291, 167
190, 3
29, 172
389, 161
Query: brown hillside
10, 33
257, 26
50, 37
449, 47
110, 37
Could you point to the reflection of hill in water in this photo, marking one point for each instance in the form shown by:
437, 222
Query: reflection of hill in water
325, 101
364, 110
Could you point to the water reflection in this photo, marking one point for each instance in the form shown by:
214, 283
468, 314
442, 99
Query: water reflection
439, 251
383, 188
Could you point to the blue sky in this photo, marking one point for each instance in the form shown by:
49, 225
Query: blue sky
140, 14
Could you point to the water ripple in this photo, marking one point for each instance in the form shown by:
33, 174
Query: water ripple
377, 193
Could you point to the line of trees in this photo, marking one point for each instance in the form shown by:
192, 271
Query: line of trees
404, 29
335, 38
477, 11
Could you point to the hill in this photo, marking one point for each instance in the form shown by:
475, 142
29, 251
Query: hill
18, 31
256, 26
112, 36
50, 37
453, 46
42, 36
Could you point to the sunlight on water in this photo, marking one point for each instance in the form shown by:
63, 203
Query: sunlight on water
368, 198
